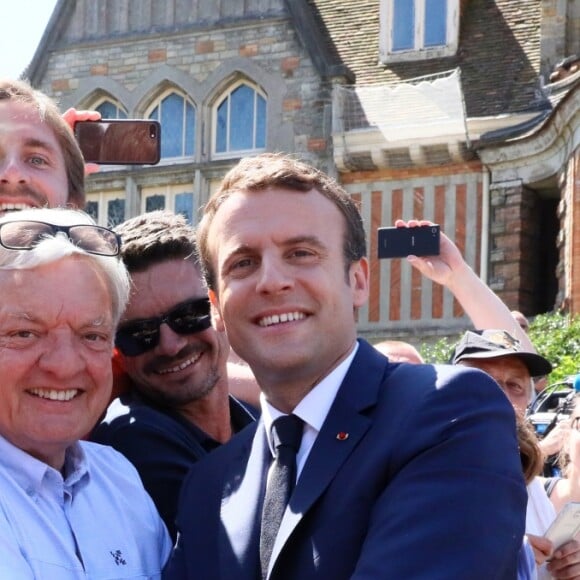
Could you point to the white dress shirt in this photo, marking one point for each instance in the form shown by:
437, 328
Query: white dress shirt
312, 409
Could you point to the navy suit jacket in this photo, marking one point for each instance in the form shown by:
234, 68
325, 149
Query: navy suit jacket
415, 474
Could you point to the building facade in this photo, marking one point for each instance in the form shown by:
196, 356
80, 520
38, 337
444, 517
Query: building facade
448, 110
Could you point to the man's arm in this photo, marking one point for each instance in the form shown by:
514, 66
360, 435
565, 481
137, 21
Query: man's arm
456, 505
481, 304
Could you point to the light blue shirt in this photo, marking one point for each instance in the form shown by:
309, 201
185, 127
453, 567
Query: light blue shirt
526, 562
98, 522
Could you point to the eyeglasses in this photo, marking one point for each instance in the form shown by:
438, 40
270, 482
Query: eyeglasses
136, 337
25, 234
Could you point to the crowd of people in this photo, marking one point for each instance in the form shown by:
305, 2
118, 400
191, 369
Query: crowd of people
195, 403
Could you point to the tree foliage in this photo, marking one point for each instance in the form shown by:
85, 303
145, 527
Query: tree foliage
557, 337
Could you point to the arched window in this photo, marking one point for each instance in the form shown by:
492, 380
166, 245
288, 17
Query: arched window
176, 113
240, 120
111, 110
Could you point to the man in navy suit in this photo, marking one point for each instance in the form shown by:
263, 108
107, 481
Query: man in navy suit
403, 471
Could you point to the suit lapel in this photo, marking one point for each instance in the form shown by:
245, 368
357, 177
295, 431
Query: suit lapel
241, 506
341, 432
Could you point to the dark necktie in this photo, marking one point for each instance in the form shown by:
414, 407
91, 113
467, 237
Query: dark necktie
286, 437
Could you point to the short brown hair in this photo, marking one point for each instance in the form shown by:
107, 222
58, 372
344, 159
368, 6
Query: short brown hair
253, 174
156, 237
23, 92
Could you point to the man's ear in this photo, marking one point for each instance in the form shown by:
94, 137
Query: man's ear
216, 312
359, 280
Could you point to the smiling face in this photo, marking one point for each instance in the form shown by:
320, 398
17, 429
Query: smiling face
282, 293
182, 368
55, 355
32, 165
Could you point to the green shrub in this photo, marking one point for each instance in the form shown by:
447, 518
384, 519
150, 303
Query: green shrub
557, 337
440, 351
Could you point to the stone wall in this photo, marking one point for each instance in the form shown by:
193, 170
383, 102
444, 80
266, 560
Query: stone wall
514, 243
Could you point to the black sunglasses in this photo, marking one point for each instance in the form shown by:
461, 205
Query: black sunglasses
25, 234
136, 337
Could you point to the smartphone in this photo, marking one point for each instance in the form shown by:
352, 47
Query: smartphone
400, 242
119, 141
566, 525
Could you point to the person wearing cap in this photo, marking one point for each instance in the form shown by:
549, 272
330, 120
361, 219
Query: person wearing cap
501, 356
487, 311
63, 507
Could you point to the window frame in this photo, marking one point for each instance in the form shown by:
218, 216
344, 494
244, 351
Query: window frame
170, 193
418, 52
156, 104
118, 106
226, 94
102, 200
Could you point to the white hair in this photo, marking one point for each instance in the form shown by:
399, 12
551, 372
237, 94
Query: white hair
53, 249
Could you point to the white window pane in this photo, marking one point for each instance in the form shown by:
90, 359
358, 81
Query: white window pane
435, 23
115, 212
222, 127
189, 129
242, 118
154, 202
403, 24
172, 126
261, 123
108, 110
92, 208
184, 205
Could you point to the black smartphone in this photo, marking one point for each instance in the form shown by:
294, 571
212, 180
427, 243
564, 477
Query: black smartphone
401, 242
119, 141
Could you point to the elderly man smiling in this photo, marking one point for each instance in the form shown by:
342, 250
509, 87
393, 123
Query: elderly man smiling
64, 512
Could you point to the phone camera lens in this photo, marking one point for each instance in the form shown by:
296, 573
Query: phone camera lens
152, 131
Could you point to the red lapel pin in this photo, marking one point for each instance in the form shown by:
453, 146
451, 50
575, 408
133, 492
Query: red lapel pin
342, 436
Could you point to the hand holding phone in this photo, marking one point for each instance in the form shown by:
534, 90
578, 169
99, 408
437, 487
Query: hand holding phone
566, 525
119, 141
400, 242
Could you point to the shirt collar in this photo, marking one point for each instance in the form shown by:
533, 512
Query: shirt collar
314, 407
30, 472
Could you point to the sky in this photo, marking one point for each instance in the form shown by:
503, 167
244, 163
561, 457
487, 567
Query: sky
23, 24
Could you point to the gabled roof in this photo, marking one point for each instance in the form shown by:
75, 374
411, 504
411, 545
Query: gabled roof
56, 25
499, 48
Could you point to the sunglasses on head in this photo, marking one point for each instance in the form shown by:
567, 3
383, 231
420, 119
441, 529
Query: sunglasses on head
136, 337
25, 234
